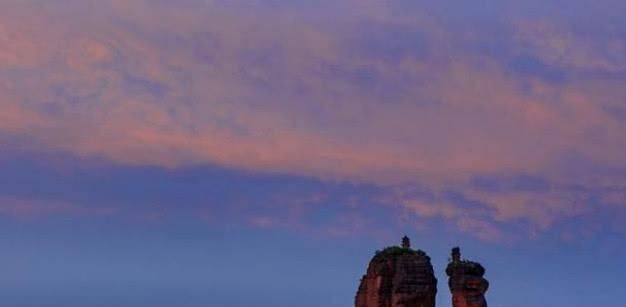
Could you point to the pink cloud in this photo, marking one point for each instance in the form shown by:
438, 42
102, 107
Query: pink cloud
281, 92
481, 229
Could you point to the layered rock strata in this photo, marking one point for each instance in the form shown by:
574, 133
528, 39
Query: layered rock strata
466, 282
398, 277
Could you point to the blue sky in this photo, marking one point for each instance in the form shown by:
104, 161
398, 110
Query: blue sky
229, 153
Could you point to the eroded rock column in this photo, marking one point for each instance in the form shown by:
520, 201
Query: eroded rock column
398, 276
466, 281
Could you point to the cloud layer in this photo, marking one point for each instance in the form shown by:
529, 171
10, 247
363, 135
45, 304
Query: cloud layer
472, 109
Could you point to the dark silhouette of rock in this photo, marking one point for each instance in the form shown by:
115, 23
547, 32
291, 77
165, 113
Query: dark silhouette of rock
466, 281
398, 276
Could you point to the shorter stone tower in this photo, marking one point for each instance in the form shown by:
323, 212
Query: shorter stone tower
466, 281
398, 276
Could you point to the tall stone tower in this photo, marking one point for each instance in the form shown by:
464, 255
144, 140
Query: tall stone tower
398, 276
466, 281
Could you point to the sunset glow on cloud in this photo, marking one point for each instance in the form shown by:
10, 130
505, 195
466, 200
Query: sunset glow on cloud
393, 97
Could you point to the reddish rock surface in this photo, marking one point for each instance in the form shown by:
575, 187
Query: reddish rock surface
466, 282
398, 277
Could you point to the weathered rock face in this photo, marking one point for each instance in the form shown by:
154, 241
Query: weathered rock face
398, 277
466, 282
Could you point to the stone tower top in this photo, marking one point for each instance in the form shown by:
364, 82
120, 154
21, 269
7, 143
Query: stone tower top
456, 254
406, 242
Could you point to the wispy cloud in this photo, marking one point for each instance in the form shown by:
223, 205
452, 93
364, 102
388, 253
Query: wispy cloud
382, 97
29, 209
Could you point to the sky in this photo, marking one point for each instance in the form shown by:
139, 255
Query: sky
245, 152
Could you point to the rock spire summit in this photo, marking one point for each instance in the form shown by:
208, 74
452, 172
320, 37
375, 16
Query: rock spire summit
466, 282
398, 276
